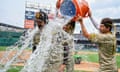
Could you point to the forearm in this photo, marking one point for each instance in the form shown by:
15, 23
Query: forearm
93, 22
85, 33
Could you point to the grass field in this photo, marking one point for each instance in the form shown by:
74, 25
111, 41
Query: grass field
93, 57
88, 57
2, 48
15, 69
18, 68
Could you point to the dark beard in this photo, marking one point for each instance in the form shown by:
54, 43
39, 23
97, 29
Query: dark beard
40, 26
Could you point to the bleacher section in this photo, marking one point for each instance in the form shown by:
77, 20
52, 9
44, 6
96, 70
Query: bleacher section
9, 38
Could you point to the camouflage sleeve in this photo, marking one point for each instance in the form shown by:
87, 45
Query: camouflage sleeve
36, 39
66, 39
33, 43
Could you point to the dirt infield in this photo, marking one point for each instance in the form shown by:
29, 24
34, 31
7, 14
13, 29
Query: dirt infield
84, 66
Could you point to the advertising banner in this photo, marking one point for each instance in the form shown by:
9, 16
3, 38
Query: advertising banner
29, 24
29, 15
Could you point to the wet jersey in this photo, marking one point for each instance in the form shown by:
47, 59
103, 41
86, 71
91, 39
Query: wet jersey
36, 38
56, 52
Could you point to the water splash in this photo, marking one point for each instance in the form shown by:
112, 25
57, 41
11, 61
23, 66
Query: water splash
37, 60
50, 44
42, 52
17, 48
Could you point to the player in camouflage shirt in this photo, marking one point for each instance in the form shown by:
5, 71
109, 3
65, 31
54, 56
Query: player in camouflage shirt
68, 62
60, 40
41, 19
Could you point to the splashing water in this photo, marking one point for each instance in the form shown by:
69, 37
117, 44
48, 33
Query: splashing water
18, 48
37, 59
50, 46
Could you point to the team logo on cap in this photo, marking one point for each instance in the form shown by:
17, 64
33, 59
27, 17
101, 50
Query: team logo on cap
37, 15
